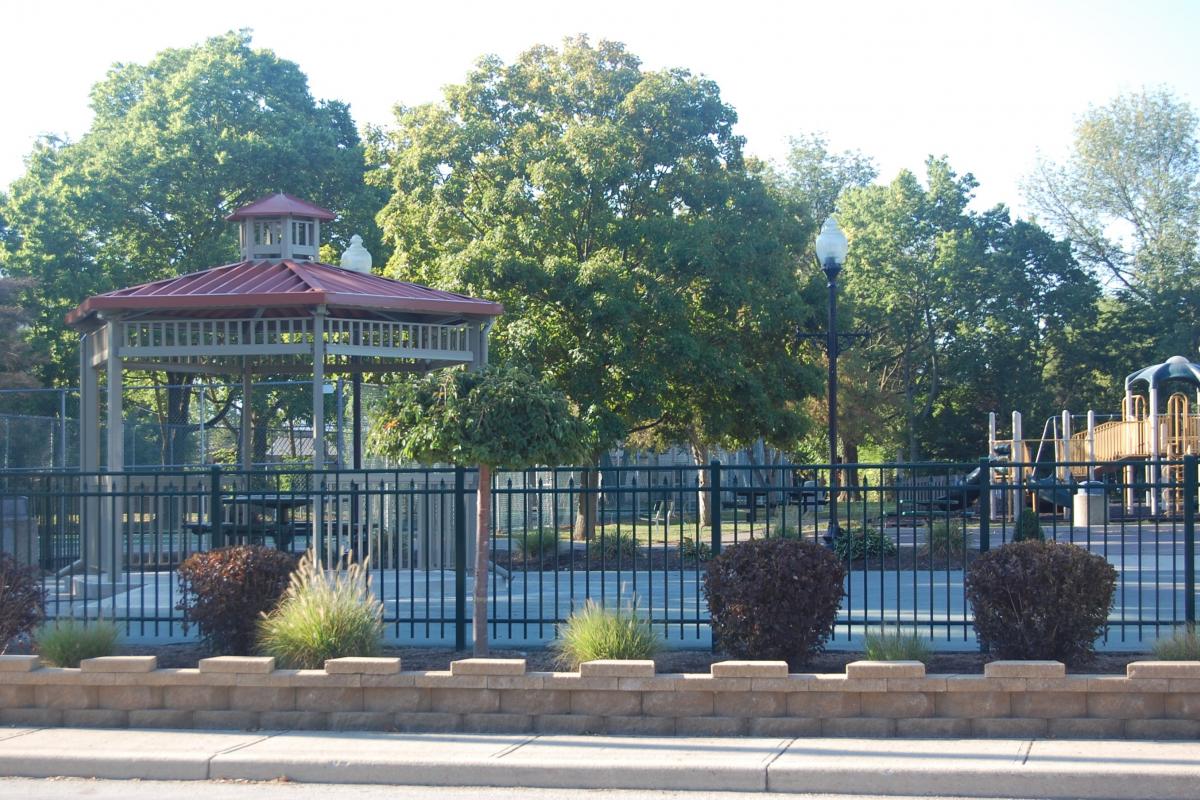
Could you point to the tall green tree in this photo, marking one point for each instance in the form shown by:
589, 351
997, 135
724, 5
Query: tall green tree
645, 267
174, 146
497, 418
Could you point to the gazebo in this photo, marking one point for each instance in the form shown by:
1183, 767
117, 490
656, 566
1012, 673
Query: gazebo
276, 311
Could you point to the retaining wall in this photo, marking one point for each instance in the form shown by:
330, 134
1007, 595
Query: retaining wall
1026, 699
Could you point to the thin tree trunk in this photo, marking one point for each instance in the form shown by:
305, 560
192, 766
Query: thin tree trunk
585, 508
700, 456
851, 488
483, 525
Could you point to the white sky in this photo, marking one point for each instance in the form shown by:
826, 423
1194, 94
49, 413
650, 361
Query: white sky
986, 83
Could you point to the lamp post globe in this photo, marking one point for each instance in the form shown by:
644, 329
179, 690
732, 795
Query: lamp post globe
831, 248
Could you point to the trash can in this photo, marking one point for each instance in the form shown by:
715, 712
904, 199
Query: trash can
18, 530
1090, 505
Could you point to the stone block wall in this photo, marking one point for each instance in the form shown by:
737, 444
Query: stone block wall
1154, 700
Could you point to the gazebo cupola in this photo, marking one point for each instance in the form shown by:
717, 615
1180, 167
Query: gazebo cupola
280, 226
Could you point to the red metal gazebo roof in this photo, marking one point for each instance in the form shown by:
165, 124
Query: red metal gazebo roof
281, 205
278, 285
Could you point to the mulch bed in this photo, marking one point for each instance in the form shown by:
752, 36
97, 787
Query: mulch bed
175, 656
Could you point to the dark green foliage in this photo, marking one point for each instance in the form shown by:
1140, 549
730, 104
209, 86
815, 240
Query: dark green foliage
773, 598
21, 599
225, 592
1040, 600
618, 546
1028, 527
691, 550
947, 540
538, 545
859, 543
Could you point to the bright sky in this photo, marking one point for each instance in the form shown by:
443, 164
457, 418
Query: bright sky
988, 84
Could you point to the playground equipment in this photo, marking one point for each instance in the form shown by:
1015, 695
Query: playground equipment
1147, 439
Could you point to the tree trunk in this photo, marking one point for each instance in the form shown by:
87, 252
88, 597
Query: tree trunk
585, 508
851, 473
483, 527
700, 456
176, 427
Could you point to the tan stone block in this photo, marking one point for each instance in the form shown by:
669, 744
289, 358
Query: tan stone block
19, 663
397, 681
497, 723
546, 701
569, 724
528, 683
677, 704
361, 721
177, 677
1097, 684
606, 703
465, 701
640, 726
119, 664
46, 676
1009, 728
783, 726
885, 669
31, 717
1050, 705
1126, 705
1024, 669
16, 696
196, 698
245, 665
877, 728
438, 679
262, 698
428, 722
824, 705
340, 699
362, 666
129, 698
576, 682
710, 726
160, 718
927, 684
1071, 683
841, 683
749, 704
293, 720
1182, 706
974, 683
225, 720
396, 700
659, 683
792, 683
613, 668
1086, 728
1162, 729
1187, 685
933, 728
488, 666
967, 705
749, 669
95, 718
65, 697
1163, 669
300, 678
895, 705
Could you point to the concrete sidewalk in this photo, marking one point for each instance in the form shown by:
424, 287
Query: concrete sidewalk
1008, 768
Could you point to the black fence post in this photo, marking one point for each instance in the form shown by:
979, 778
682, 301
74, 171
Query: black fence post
1189, 540
215, 513
714, 504
460, 559
985, 505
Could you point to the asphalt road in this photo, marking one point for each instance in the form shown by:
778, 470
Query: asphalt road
64, 788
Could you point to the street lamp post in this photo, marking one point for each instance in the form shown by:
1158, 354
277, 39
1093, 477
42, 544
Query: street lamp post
831, 250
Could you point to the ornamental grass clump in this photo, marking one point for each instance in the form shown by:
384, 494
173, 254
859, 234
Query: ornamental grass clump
322, 616
66, 642
538, 545
595, 632
1040, 600
1182, 645
896, 645
773, 598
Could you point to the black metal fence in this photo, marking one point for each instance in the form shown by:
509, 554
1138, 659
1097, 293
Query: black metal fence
109, 545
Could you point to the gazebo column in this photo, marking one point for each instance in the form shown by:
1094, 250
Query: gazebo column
112, 516
318, 431
89, 448
247, 422
1153, 472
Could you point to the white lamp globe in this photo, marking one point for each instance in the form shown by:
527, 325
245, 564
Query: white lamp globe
832, 244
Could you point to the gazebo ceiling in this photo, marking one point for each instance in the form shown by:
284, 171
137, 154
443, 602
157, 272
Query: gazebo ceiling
250, 288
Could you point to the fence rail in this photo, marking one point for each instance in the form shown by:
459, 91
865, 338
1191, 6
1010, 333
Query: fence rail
108, 545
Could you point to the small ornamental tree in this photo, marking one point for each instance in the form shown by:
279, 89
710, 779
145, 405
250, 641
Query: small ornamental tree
496, 418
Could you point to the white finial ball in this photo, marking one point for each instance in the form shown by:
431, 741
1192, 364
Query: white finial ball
356, 258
